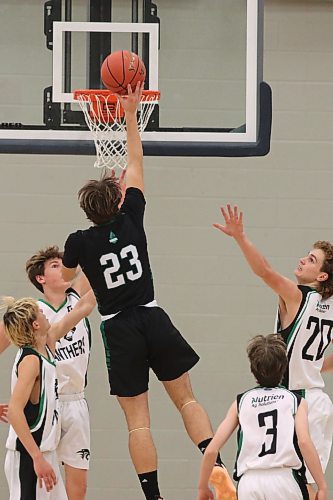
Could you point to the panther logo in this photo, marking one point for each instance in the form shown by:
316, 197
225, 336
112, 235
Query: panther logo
84, 453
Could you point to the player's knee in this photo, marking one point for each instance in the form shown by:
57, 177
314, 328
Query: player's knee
77, 490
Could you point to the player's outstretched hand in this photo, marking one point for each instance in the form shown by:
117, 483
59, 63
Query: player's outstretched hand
233, 221
205, 494
45, 473
3, 413
130, 102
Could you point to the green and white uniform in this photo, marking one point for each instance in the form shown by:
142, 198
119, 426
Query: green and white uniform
72, 359
44, 423
307, 338
267, 446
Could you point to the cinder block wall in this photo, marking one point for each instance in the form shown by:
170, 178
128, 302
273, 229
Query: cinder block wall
200, 277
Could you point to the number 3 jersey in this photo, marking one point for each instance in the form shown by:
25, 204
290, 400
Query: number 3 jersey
307, 338
266, 434
72, 350
114, 257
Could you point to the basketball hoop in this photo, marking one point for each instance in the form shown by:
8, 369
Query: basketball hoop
105, 118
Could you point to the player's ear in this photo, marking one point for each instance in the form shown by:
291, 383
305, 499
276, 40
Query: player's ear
35, 325
322, 277
40, 279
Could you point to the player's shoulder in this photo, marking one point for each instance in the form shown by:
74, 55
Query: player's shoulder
133, 194
306, 290
71, 293
28, 356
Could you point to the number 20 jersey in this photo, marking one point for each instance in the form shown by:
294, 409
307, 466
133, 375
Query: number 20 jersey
266, 434
307, 338
114, 257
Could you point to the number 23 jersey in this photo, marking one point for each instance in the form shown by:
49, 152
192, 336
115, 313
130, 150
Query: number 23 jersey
307, 338
266, 434
114, 257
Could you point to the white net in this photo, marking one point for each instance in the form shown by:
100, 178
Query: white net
105, 118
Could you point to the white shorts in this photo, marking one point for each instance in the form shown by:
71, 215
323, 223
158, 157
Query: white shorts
74, 444
22, 480
269, 484
320, 415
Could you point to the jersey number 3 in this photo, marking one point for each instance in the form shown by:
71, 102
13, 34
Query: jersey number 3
112, 279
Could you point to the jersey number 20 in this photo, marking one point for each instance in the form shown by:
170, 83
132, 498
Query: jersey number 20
112, 279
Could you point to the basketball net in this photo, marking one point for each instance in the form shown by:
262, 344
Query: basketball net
105, 118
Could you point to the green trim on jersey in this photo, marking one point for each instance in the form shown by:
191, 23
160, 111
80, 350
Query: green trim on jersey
53, 308
291, 334
49, 360
106, 347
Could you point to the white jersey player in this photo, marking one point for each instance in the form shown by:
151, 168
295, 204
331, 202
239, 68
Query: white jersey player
72, 358
31, 464
272, 434
305, 321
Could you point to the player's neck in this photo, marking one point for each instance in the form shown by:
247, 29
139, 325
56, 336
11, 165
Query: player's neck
54, 297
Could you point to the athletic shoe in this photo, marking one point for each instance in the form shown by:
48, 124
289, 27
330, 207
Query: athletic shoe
223, 485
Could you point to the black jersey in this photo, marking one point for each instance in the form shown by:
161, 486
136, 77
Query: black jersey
114, 257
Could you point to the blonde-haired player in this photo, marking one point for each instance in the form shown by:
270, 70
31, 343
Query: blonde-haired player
31, 465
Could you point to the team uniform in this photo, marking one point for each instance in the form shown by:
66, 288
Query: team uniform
307, 338
72, 358
44, 424
138, 335
268, 464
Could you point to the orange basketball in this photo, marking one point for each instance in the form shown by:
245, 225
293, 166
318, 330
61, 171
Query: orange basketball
120, 69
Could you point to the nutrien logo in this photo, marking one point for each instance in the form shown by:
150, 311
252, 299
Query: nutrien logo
265, 400
322, 308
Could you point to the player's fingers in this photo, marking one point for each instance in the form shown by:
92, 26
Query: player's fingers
122, 175
40, 482
236, 211
53, 478
241, 217
231, 215
129, 90
224, 213
219, 226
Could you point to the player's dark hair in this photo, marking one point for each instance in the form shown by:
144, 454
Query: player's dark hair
99, 199
35, 266
325, 288
268, 359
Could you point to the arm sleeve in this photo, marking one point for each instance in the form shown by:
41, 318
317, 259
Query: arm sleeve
71, 256
134, 204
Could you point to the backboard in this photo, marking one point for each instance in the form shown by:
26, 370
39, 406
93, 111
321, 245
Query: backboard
206, 59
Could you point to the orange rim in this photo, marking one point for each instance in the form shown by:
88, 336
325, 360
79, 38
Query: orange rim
109, 111
95, 94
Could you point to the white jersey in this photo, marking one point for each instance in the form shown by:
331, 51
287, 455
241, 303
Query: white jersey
43, 417
266, 434
307, 338
72, 350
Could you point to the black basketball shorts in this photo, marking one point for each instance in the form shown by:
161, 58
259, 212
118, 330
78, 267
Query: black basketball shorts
141, 338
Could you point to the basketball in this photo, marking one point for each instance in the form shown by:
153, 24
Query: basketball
120, 69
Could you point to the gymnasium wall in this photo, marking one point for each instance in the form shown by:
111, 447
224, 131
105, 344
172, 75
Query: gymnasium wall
200, 277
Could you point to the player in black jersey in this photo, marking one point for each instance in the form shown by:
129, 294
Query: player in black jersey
138, 335
305, 321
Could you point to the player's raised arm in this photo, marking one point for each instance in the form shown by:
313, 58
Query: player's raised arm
82, 309
134, 171
233, 227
